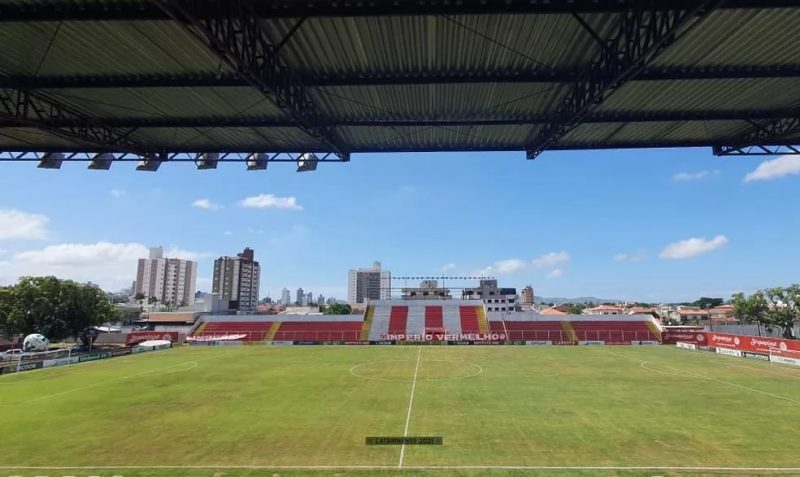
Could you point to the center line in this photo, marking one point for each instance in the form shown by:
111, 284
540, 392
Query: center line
410, 403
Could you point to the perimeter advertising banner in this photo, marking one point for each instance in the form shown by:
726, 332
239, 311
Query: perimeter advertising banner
139, 336
684, 335
753, 344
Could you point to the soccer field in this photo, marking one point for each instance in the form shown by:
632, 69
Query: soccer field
501, 410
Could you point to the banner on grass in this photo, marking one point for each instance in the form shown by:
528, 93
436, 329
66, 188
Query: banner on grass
683, 334
139, 336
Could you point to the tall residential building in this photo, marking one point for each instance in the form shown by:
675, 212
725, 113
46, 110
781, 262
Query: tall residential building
286, 297
168, 280
368, 283
527, 296
320, 299
237, 280
299, 296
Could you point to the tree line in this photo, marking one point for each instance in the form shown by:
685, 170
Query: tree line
53, 307
779, 306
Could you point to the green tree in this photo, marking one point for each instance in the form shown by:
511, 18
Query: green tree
56, 308
753, 309
338, 309
576, 308
784, 308
706, 302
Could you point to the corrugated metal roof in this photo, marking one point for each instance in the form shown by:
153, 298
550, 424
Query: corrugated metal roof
101, 48
335, 46
739, 37
706, 95
170, 102
398, 46
487, 100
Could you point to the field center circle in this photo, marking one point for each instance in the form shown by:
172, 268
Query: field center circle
402, 370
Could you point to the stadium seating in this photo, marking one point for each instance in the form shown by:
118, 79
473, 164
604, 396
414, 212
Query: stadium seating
318, 330
621, 332
469, 319
398, 320
434, 321
253, 330
530, 330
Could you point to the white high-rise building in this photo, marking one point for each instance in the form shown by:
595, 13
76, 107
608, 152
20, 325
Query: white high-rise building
169, 280
237, 280
369, 283
286, 297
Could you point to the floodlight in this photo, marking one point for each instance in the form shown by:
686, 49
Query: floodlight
207, 160
51, 160
307, 162
150, 162
257, 161
101, 161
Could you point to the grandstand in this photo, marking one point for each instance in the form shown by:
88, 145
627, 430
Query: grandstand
429, 320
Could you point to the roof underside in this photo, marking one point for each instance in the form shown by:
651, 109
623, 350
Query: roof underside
415, 76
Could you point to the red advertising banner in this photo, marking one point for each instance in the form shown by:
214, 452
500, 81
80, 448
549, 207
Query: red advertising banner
684, 335
139, 336
757, 344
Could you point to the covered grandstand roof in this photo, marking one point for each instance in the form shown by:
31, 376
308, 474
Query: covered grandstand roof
170, 78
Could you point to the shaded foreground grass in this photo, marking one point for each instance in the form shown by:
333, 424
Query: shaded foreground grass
494, 406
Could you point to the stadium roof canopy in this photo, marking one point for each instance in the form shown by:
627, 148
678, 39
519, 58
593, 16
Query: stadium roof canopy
166, 79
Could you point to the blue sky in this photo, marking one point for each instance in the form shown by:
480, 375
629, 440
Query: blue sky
651, 225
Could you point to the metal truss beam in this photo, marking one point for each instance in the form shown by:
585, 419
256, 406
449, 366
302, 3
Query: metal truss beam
29, 108
257, 122
230, 30
391, 79
132, 10
765, 139
640, 35
193, 157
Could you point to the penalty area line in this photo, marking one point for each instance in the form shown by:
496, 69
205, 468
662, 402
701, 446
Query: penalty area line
410, 403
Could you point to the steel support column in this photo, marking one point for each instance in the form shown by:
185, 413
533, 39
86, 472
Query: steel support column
639, 37
232, 31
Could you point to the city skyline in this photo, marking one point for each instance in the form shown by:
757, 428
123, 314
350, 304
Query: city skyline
648, 225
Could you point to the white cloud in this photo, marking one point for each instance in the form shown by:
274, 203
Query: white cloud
693, 176
774, 169
206, 204
625, 257
692, 247
117, 193
510, 265
556, 273
447, 267
108, 264
551, 260
15, 224
266, 201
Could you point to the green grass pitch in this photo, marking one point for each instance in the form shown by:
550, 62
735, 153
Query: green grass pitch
502, 410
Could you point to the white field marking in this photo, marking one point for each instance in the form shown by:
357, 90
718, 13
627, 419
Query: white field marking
410, 403
143, 373
411, 467
354, 373
679, 371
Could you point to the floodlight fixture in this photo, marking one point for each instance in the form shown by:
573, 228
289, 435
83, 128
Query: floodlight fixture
101, 161
257, 161
207, 160
150, 162
307, 162
51, 160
